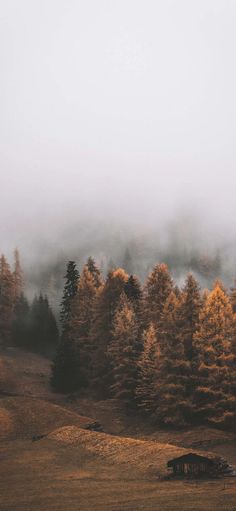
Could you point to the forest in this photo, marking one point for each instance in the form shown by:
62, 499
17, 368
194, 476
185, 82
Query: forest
166, 352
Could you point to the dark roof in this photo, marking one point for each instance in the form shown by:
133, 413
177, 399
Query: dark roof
189, 458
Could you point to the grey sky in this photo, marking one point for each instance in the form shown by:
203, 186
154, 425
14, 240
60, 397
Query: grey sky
123, 108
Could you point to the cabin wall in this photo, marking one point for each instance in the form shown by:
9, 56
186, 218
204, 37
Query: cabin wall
190, 468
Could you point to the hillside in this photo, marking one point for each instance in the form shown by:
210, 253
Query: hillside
23, 417
120, 469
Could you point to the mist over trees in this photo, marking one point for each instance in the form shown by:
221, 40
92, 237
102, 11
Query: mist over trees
22, 324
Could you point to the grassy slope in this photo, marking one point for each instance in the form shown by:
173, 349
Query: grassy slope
73, 469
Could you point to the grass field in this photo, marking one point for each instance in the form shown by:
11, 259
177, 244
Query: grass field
73, 469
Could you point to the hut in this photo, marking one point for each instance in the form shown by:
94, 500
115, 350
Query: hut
191, 465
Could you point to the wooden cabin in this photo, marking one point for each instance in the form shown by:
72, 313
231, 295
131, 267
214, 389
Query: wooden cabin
191, 465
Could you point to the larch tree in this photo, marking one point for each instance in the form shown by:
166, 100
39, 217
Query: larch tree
123, 353
148, 364
190, 307
18, 278
133, 291
158, 287
233, 297
6, 301
172, 403
214, 365
100, 333
95, 272
82, 313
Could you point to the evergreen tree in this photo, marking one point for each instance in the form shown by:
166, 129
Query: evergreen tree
66, 375
158, 287
6, 301
133, 289
43, 330
123, 352
18, 278
21, 331
190, 307
214, 395
95, 272
70, 289
127, 262
146, 391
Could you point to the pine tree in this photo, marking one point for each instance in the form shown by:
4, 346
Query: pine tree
123, 352
43, 331
214, 396
127, 262
21, 331
66, 375
95, 272
146, 391
190, 307
70, 289
18, 278
6, 301
158, 287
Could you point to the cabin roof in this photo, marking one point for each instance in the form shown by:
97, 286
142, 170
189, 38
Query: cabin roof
190, 458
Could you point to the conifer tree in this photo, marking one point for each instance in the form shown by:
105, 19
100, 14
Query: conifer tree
233, 297
95, 272
123, 352
173, 369
158, 287
70, 289
17, 276
6, 301
101, 328
21, 325
148, 365
214, 396
82, 311
43, 331
66, 375
127, 262
133, 289
190, 307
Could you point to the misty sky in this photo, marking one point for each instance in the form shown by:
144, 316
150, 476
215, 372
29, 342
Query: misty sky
123, 109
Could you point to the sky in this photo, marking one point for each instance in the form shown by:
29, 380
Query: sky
117, 110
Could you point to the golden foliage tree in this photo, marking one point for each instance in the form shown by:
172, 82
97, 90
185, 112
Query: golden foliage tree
6, 301
158, 287
123, 352
148, 366
214, 394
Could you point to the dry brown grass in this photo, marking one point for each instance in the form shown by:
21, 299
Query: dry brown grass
148, 457
23, 417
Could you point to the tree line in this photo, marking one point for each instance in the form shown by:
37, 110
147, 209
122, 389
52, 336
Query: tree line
169, 352
30, 326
